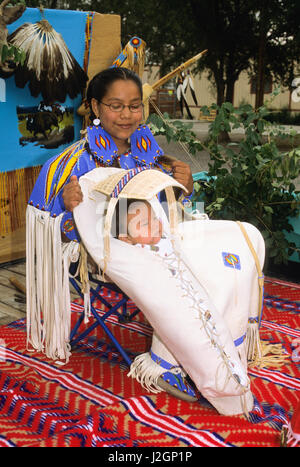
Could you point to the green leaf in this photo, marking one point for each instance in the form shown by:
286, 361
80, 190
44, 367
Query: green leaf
197, 186
260, 126
205, 111
4, 53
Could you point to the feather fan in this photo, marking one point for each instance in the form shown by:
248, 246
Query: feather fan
49, 66
188, 82
180, 93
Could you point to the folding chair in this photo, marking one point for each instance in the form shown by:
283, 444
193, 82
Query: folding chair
119, 309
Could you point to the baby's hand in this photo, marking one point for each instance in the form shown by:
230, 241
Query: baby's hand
72, 194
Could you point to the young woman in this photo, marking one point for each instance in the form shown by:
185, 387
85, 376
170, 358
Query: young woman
115, 96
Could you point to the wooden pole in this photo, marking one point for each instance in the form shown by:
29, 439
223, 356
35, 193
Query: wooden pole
148, 90
177, 70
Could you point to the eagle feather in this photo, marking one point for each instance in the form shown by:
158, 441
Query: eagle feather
49, 66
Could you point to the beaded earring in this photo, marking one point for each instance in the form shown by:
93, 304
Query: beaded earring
96, 121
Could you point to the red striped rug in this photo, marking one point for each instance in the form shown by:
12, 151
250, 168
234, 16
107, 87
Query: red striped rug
91, 401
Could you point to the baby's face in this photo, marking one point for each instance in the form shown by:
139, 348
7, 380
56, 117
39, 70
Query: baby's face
143, 225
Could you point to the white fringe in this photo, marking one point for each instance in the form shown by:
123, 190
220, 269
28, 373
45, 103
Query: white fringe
253, 347
292, 438
87, 306
85, 285
146, 372
48, 306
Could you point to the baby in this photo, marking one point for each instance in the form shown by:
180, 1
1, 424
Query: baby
138, 225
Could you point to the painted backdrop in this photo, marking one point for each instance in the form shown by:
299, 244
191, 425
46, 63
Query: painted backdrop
32, 132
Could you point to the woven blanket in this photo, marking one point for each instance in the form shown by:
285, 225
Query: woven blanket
91, 401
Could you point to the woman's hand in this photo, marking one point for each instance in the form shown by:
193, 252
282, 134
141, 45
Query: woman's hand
72, 194
183, 174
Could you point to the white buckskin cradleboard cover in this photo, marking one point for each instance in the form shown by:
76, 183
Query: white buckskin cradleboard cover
200, 313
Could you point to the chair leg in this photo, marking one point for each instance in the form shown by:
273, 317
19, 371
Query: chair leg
99, 320
76, 327
111, 336
83, 334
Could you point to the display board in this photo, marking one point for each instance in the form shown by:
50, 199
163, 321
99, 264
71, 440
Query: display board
32, 130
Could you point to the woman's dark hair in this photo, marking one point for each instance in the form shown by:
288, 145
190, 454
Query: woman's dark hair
99, 85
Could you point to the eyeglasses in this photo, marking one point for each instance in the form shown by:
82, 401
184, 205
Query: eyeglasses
118, 107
